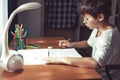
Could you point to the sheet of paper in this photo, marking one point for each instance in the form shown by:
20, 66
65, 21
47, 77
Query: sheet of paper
34, 56
69, 52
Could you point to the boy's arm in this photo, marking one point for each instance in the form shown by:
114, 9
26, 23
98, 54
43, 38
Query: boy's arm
81, 62
80, 44
88, 62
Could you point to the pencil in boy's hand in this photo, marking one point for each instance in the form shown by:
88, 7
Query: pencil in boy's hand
68, 39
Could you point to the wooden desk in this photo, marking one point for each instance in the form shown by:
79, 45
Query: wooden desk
50, 72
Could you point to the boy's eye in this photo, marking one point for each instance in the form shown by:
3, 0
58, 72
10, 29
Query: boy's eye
86, 18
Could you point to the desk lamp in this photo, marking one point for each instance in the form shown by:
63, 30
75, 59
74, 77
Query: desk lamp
10, 59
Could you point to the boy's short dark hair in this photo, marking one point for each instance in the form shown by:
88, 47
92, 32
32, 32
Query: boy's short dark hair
95, 7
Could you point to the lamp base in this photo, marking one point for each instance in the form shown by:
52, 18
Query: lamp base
12, 62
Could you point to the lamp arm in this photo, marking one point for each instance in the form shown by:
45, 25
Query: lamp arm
5, 33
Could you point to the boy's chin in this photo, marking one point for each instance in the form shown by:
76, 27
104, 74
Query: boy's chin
90, 28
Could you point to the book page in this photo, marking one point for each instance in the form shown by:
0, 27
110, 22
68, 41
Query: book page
69, 52
34, 56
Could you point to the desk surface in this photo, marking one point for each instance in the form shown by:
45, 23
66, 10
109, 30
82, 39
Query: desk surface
50, 72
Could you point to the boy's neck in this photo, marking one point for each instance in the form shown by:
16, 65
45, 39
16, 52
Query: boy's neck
105, 26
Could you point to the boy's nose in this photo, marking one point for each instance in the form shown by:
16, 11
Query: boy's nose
84, 21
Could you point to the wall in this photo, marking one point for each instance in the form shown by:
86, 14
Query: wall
31, 20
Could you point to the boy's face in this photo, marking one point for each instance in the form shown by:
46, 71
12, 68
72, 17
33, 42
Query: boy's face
90, 21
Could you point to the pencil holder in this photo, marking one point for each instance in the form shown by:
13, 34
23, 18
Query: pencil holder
19, 43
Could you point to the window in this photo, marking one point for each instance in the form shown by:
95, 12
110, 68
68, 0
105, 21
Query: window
3, 19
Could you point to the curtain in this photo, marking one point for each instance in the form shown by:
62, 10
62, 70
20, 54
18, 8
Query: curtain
61, 13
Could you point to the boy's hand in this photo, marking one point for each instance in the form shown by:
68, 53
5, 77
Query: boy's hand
64, 43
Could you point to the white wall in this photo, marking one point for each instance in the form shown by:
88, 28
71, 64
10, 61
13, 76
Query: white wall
32, 20
3, 19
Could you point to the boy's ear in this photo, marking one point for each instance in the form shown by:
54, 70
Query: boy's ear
101, 17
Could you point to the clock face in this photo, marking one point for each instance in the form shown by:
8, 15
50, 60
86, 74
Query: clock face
15, 62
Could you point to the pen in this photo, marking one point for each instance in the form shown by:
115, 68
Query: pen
48, 53
17, 31
32, 46
14, 34
49, 47
25, 34
68, 39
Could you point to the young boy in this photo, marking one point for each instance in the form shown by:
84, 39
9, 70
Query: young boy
96, 14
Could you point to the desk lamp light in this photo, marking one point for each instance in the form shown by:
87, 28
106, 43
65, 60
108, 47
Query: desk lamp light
10, 59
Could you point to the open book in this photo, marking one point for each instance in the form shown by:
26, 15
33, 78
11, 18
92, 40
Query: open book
36, 56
